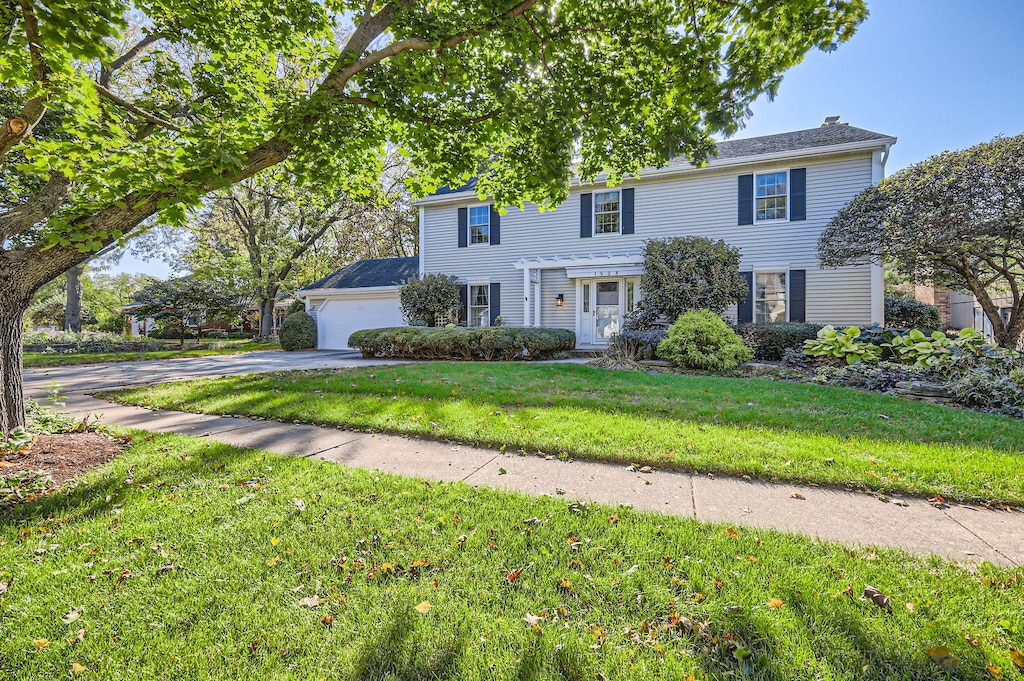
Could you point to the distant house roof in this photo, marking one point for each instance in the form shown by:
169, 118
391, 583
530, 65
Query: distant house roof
829, 135
370, 273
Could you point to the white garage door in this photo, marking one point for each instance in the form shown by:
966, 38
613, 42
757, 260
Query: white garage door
337, 318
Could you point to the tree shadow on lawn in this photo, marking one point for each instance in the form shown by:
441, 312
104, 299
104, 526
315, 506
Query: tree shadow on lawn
762, 451
108, 487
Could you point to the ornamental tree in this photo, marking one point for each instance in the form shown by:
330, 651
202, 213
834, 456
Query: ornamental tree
147, 106
685, 274
955, 220
184, 302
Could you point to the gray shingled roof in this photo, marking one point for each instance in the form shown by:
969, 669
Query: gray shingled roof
823, 136
370, 273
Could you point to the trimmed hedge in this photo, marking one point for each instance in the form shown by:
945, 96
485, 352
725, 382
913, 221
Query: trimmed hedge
910, 313
298, 332
484, 343
770, 341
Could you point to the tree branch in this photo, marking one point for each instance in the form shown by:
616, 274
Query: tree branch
107, 72
45, 203
142, 113
364, 101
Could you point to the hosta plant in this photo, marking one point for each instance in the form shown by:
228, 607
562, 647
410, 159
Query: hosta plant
843, 346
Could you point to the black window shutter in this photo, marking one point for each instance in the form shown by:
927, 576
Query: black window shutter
627, 211
798, 194
463, 303
746, 200
463, 227
495, 302
797, 295
586, 215
495, 226
745, 309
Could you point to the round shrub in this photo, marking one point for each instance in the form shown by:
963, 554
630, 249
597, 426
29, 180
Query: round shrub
298, 332
909, 313
702, 340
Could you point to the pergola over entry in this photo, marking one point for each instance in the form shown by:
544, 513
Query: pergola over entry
610, 264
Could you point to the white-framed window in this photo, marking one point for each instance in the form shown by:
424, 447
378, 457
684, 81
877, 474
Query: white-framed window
607, 212
770, 297
479, 305
771, 196
479, 224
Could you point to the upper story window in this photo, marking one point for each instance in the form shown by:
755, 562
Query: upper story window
479, 305
480, 224
770, 297
607, 213
771, 192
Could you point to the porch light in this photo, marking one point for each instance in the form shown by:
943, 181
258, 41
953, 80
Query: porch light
560, 300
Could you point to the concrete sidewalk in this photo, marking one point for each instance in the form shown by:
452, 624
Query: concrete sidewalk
958, 532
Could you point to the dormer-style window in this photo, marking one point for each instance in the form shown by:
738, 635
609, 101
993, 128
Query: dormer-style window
479, 224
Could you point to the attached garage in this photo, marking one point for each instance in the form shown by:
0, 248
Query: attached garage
364, 295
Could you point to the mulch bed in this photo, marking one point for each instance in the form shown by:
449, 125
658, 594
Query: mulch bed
64, 456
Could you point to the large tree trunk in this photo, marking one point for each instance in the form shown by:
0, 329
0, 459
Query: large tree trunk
73, 306
12, 400
267, 317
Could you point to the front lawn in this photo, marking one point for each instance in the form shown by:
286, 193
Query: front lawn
753, 427
207, 348
189, 559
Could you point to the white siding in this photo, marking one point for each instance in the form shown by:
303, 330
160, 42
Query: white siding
700, 204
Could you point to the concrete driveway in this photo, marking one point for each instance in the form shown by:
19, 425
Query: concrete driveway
89, 378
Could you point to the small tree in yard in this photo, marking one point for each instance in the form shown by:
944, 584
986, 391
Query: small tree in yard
187, 302
115, 115
431, 301
955, 220
687, 273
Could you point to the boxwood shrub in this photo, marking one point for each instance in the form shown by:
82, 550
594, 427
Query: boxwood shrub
487, 343
770, 341
298, 332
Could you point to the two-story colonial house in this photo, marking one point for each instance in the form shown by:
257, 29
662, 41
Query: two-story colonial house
580, 266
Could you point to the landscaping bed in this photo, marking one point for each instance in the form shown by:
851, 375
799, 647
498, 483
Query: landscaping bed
755, 427
189, 559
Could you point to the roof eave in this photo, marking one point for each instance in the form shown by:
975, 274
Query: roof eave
714, 164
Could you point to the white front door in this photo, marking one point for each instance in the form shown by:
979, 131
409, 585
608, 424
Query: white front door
603, 305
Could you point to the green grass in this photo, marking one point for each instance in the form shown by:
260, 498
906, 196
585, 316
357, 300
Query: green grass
756, 427
187, 559
43, 359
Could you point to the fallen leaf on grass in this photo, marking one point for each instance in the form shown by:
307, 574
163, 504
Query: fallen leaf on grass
423, 608
299, 504
246, 499
1017, 657
994, 671
275, 540
910, 606
274, 561
512, 576
79, 637
775, 603
40, 643
77, 668
310, 601
732, 533
533, 620
877, 597
941, 656
4, 586
71, 616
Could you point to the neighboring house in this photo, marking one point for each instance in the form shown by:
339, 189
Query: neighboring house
962, 310
579, 266
364, 295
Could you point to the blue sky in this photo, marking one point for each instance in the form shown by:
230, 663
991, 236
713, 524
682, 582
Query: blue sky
937, 74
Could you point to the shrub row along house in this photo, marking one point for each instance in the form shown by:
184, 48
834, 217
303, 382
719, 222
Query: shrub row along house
579, 266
